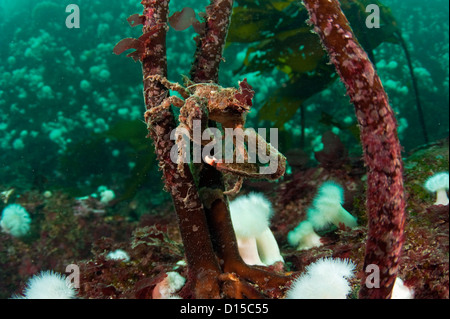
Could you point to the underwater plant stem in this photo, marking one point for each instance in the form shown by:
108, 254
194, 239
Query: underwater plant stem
227, 250
210, 45
206, 69
202, 264
382, 150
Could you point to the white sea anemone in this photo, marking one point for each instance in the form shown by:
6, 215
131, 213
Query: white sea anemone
15, 220
118, 254
327, 207
250, 216
106, 195
49, 285
400, 291
438, 183
324, 279
169, 286
303, 236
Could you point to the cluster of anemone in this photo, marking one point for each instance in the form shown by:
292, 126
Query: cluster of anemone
326, 209
250, 216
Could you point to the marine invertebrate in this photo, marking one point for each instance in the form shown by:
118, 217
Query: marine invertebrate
48, 285
205, 68
303, 236
438, 184
251, 217
106, 195
225, 105
400, 291
118, 254
327, 208
326, 278
15, 220
203, 215
166, 288
205, 102
378, 131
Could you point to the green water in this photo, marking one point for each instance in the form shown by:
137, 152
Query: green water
61, 87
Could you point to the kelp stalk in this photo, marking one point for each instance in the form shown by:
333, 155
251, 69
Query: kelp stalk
378, 131
210, 45
206, 69
198, 211
202, 264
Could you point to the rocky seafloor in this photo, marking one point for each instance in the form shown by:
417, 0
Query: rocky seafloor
67, 230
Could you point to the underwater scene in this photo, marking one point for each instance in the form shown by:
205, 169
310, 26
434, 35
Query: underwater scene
224, 149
